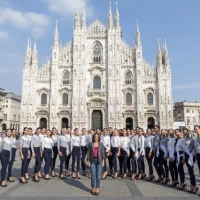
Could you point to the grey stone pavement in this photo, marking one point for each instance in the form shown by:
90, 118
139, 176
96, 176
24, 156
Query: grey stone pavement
74, 189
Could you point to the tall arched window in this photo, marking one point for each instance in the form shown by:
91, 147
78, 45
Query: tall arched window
150, 98
66, 78
44, 99
65, 99
97, 53
97, 82
129, 78
128, 99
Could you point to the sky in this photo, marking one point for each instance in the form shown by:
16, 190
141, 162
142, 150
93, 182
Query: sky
177, 21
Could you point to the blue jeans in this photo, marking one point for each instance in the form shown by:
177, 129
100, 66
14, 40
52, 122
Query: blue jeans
48, 160
38, 162
5, 158
96, 173
11, 162
24, 167
76, 153
63, 150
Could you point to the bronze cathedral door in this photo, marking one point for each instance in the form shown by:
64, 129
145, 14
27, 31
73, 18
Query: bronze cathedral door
97, 119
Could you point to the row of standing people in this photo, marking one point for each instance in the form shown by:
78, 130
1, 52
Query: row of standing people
167, 151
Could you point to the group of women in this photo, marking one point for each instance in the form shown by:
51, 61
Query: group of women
166, 150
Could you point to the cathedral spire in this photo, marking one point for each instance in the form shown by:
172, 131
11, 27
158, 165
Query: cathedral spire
34, 55
83, 21
117, 22
55, 39
159, 55
28, 53
165, 53
76, 19
110, 17
137, 36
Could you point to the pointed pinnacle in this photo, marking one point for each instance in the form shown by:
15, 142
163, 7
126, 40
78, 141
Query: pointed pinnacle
137, 26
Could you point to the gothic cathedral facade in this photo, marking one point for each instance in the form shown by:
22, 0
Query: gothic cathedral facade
96, 80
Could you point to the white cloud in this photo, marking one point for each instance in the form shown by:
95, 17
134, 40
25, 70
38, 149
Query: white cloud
68, 7
3, 34
187, 86
27, 20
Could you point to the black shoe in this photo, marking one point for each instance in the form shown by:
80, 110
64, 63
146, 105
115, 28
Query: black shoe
46, 178
8, 179
4, 185
174, 185
20, 181
61, 177
181, 188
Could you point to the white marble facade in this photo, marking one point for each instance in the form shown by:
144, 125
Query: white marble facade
96, 79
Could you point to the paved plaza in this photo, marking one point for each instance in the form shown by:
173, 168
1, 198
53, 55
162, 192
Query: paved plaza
74, 189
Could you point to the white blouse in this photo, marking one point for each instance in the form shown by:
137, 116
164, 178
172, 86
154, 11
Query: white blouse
125, 143
115, 141
106, 142
47, 143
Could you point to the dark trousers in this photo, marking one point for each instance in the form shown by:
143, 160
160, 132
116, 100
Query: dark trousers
114, 158
149, 160
163, 166
105, 164
24, 167
11, 162
76, 154
55, 154
156, 162
143, 166
173, 170
120, 160
63, 150
198, 160
133, 162
110, 162
38, 162
181, 171
139, 161
5, 158
48, 160
84, 153
67, 161
190, 171
129, 163
124, 156
29, 159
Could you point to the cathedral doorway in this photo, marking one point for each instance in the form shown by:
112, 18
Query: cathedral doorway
129, 123
97, 119
4, 127
151, 122
64, 123
43, 123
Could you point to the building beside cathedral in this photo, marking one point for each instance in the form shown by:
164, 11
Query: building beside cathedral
96, 80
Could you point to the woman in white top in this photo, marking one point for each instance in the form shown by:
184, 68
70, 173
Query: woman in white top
133, 153
47, 150
63, 149
23, 150
141, 152
149, 153
115, 144
180, 158
105, 139
84, 147
76, 152
55, 149
125, 152
6, 153
172, 158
